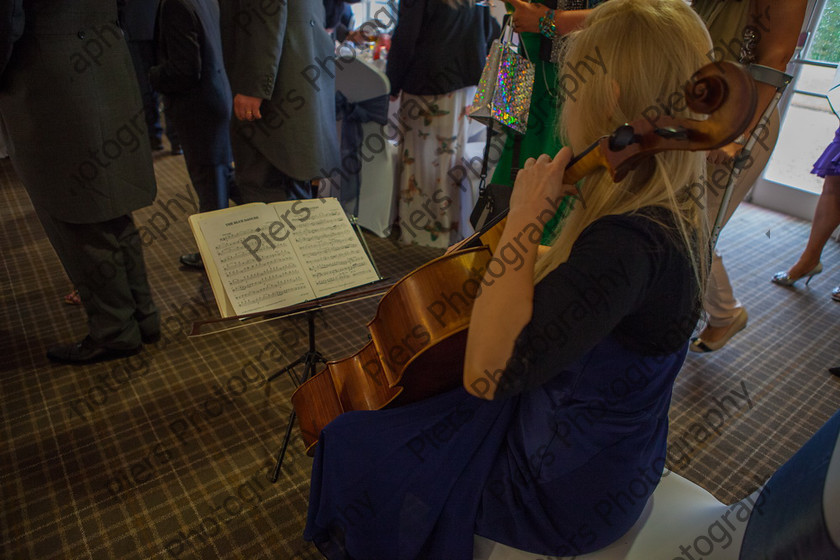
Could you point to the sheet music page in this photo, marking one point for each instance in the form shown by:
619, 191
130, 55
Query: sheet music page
257, 264
331, 253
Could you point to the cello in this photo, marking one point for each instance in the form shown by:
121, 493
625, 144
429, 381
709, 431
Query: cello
418, 334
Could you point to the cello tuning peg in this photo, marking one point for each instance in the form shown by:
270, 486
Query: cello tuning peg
623, 137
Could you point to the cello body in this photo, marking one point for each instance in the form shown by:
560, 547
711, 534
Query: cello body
418, 337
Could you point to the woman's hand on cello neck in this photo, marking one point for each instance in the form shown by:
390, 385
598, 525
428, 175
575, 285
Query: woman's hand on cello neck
505, 304
539, 186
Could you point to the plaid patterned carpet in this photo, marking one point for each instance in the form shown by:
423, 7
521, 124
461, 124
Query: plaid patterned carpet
166, 454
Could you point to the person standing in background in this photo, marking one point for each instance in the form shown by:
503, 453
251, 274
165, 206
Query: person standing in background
438, 50
280, 62
751, 32
137, 18
76, 137
542, 29
826, 219
191, 73
339, 18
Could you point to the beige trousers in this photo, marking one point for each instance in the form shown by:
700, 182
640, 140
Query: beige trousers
719, 301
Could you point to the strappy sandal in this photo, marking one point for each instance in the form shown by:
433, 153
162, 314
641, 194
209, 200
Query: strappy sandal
73, 298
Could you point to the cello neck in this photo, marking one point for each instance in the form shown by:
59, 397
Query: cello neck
588, 161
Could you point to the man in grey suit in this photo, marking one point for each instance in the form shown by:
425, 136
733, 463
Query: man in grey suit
284, 134
71, 111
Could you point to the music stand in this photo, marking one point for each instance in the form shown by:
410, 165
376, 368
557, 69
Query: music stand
309, 359
321, 279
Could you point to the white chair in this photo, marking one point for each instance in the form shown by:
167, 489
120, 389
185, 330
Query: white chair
378, 195
359, 80
796, 515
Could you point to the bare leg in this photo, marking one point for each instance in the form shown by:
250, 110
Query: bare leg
826, 220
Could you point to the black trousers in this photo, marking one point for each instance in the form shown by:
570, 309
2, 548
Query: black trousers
143, 57
257, 180
212, 182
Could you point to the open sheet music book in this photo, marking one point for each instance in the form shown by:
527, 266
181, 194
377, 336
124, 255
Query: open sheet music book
261, 257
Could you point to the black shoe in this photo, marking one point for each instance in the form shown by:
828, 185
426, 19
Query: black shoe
177, 150
150, 338
834, 371
192, 260
88, 352
157, 144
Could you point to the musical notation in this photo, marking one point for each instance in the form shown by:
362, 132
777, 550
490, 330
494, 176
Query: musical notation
330, 252
275, 280
281, 254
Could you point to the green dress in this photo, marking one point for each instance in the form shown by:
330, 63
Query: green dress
541, 136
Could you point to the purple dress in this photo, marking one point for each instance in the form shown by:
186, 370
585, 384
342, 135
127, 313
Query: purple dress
829, 162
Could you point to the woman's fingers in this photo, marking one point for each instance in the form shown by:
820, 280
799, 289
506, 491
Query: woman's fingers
563, 157
539, 185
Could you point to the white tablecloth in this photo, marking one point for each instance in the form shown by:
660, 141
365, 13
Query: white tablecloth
360, 80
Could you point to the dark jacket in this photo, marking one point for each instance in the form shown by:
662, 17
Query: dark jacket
137, 18
75, 128
278, 50
191, 73
11, 28
338, 12
436, 49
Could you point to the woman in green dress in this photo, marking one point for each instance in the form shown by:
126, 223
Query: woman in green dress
541, 41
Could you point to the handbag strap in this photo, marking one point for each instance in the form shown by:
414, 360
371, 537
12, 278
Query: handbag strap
506, 35
515, 164
482, 187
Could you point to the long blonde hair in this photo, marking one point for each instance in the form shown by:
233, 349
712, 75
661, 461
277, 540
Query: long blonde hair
650, 48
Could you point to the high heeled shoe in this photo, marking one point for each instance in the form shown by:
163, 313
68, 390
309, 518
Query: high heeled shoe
783, 279
697, 344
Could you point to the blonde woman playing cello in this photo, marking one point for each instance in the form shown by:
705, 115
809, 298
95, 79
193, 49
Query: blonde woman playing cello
570, 358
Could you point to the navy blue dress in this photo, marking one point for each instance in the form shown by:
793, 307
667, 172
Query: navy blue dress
564, 460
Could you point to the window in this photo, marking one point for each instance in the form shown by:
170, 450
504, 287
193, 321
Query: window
809, 122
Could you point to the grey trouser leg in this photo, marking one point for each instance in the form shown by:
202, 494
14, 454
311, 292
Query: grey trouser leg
105, 263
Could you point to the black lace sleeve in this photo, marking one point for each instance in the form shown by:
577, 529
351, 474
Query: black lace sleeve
626, 277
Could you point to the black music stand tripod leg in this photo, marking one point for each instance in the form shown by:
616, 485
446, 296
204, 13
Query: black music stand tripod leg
290, 369
280, 456
309, 360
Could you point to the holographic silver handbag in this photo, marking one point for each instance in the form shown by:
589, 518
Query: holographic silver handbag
504, 93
